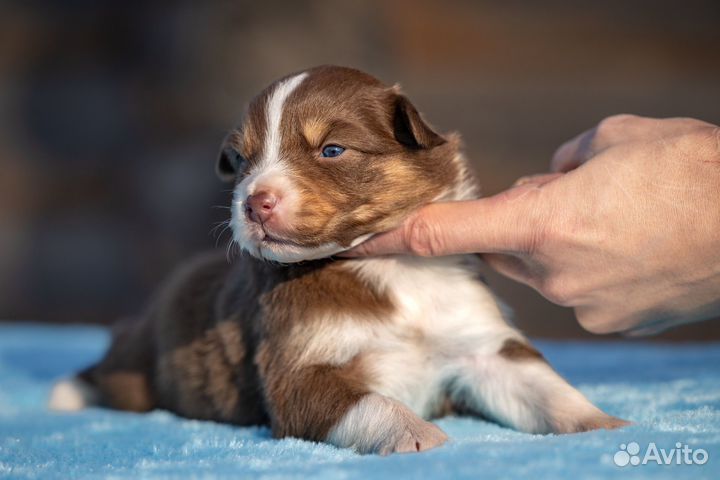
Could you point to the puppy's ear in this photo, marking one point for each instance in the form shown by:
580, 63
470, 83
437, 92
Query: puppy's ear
230, 161
409, 127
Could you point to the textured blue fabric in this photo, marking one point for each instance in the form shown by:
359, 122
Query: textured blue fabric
671, 392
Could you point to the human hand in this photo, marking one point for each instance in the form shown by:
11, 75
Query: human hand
626, 230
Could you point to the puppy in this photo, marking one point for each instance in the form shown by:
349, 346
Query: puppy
358, 353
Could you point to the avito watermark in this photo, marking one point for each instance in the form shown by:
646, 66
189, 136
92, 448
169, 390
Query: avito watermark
630, 454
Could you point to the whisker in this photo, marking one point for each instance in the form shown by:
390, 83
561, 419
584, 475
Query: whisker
221, 222
222, 232
229, 251
217, 225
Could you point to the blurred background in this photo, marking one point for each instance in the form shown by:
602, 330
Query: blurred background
111, 114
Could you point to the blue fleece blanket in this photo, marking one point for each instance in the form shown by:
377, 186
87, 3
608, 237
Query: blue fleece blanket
671, 392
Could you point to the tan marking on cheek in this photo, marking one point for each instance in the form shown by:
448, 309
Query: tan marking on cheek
318, 205
405, 182
325, 214
404, 185
313, 213
398, 172
314, 131
400, 188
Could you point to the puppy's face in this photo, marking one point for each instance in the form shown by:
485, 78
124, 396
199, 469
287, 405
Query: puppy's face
327, 157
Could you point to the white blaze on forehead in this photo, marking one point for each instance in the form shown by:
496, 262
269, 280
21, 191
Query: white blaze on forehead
273, 117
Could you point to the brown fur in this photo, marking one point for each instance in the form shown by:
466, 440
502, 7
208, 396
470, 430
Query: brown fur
205, 364
516, 350
311, 401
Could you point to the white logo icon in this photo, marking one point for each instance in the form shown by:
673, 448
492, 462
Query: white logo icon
627, 454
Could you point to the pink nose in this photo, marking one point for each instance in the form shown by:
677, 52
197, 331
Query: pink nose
259, 207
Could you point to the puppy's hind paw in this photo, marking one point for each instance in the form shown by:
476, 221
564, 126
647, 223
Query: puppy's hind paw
378, 424
416, 437
71, 395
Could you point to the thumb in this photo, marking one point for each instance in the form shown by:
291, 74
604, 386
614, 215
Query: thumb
505, 223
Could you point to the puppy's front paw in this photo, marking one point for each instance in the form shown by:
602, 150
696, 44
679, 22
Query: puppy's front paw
604, 421
594, 421
416, 435
378, 424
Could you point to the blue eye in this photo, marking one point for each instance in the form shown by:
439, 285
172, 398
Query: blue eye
330, 151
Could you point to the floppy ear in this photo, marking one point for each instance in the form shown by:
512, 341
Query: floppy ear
409, 127
229, 161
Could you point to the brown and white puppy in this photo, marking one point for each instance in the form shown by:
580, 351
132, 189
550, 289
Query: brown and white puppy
358, 353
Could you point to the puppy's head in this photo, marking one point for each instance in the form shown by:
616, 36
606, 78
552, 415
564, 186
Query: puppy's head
327, 157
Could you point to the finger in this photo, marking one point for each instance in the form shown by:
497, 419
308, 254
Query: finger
573, 153
603, 318
381, 244
537, 180
508, 222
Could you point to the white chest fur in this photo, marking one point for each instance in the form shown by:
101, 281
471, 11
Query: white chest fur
444, 317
